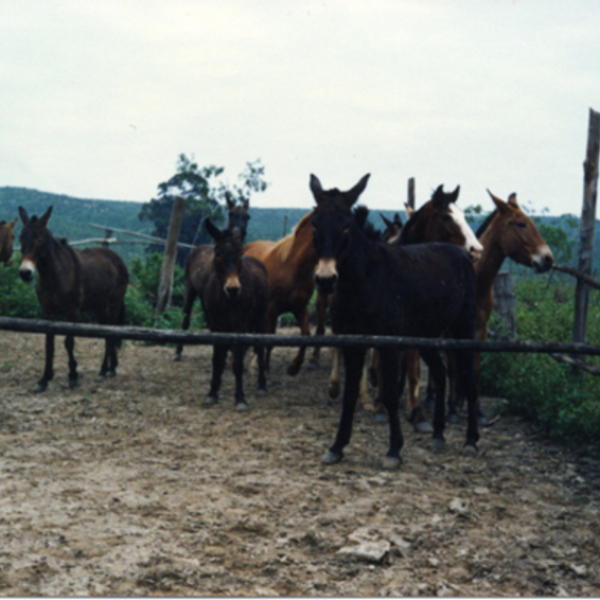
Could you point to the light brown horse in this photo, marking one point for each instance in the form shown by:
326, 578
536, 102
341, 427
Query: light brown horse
198, 266
290, 263
6, 241
506, 232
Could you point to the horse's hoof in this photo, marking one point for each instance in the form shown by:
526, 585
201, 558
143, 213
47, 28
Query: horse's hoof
312, 364
334, 390
74, 383
380, 418
331, 458
437, 445
452, 418
177, 357
423, 427
392, 463
40, 387
241, 407
211, 401
293, 370
261, 392
111, 374
470, 450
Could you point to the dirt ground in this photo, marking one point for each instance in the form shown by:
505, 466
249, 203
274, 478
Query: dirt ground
131, 487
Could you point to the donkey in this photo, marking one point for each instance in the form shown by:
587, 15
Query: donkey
71, 282
6, 241
423, 290
198, 264
234, 299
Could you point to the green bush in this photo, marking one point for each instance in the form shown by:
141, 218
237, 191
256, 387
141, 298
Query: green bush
565, 402
17, 298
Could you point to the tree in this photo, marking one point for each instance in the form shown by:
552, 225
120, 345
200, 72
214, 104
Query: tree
204, 194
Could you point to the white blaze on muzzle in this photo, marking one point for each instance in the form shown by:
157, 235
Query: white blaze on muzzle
326, 269
543, 259
232, 285
27, 268
472, 244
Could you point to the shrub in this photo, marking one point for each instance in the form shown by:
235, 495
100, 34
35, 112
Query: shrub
17, 298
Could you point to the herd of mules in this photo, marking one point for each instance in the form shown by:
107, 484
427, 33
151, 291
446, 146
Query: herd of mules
429, 277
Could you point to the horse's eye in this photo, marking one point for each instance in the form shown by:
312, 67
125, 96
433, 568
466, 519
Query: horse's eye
520, 225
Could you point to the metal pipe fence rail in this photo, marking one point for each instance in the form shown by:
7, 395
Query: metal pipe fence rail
164, 336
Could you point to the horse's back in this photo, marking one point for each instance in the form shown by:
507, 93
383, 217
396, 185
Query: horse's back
198, 267
261, 250
104, 276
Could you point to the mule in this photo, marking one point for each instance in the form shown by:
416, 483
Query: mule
423, 290
70, 282
290, 263
199, 261
234, 300
7, 237
506, 232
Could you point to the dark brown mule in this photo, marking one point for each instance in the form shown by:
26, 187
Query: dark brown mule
438, 220
199, 262
506, 232
423, 290
290, 263
70, 282
234, 300
6, 241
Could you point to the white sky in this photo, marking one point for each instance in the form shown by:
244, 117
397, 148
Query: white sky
98, 98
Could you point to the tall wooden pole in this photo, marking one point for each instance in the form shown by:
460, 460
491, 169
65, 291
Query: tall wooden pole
411, 192
168, 267
587, 225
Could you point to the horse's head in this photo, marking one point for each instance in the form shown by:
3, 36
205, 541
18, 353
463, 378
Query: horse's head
440, 220
392, 229
238, 215
7, 238
228, 258
520, 239
332, 220
34, 239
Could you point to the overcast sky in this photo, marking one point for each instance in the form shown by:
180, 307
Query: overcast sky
98, 98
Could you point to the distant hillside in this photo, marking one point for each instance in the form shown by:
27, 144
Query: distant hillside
71, 218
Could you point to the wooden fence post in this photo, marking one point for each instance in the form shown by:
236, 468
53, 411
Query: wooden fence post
411, 192
587, 225
168, 267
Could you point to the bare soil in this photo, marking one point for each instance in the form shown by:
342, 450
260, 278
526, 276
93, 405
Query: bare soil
131, 486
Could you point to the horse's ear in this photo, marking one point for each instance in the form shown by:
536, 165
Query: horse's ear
315, 187
24, 216
246, 204
229, 200
454, 194
500, 204
358, 189
13, 223
410, 211
213, 230
45, 217
512, 200
389, 224
398, 220
439, 197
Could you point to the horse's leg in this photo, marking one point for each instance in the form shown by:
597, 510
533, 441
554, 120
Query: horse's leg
73, 376
262, 379
430, 392
390, 358
415, 412
321, 308
438, 372
218, 364
188, 303
354, 359
42, 384
453, 388
334, 378
379, 413
465, 368
364, 395
302, 318
238, 372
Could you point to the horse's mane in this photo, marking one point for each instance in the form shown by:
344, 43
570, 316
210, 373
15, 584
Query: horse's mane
485, 224
284, 245
408, 226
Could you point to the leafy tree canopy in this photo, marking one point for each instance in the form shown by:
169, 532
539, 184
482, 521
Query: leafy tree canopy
204, 194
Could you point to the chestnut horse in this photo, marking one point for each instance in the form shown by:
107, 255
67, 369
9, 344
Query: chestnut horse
290, 263
70, 282
234, 300
199, 261
6, 241
506, 232
423, 290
